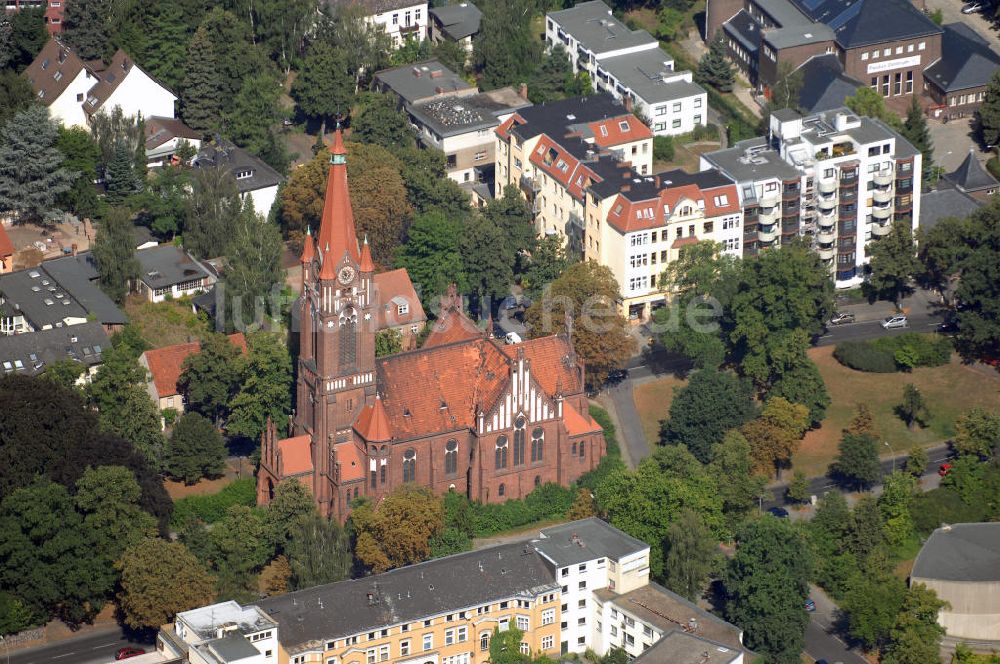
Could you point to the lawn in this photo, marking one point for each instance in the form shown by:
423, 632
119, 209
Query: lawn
652, 401
948, 391
166, 323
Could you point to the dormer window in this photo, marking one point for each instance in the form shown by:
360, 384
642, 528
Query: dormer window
243, 175
403, 308
604, 130
45, 64
623, 125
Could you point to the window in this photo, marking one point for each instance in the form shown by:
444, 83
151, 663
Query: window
697, 102
409, 465
629, 639
644, 284
581, 621
921, 46
501, 490
548, 616
677, 107
864, 56
428, 641
660, 110
583, 584
383, 653
371, 654
697, 119
623, 125
547, 642
501, 453
449, 637
484, 641
524, 648
676, 123
403, 308
462, 634
581, 604
404, 647
537, 443
646, 630
897, 83
503, 624
519, 424
451, 457
721, 200
522, 623
581, 640
909, 82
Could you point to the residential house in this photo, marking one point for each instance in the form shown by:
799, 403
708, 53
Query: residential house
556, 589
398, 306
629, 65
255, 179
943, 202
422, 81
223, 633
457, 23
835, 179
957, 82
75, 91
6, 252
972, 179
164, 136
53, 11
167, 271
164, 367
402, 20
30, 354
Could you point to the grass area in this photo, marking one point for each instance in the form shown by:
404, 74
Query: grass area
652, 401
212, 507
166, 323
948, 390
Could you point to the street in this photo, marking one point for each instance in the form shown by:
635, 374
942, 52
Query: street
97, 647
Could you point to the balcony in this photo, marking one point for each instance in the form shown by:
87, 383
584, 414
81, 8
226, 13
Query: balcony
882, 195
536, 206
826, 253
768, 233
828, 186
575, 220
881, 230
769, 215
883, 179
882, 213
827, 218
768, 200
530, 183
826, 204
826, 236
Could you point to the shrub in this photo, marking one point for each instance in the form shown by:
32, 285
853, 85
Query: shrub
912, 350
212, 508
663, 148
942, 505
609, 463
863, 356
708, 132
549, 501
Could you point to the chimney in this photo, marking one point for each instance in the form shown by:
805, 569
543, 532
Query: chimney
657, 181
628, 103
522, 91
416, 72
626, 188
437, 73
626, 175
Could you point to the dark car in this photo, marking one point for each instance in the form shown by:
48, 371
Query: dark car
616, 376
509, 302
842, 318
779, 512
126, 653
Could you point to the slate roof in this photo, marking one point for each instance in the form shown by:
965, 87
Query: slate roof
52, 70
235, 160
167, 265
941, 203
78, 275
556, 118
30, 353
159, 130
650, 75
798, 35
595, 28
423, 80
679, 647
970, 176
457, 21
39, 297
407, 594
230, 648
824, 84
964, 552
745, 30
967, 61
579, 541
864, 22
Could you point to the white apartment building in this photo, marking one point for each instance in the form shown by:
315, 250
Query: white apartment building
833, 178
400, 19
629, 65
220, 634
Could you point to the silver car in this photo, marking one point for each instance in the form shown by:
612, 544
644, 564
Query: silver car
893, 322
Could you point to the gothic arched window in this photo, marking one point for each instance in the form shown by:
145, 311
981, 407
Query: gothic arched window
451, 457
537, 441
348, 337
501, 460
409, 465
501, 490
519, 441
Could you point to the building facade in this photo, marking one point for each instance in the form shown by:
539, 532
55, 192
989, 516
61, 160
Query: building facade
833, 179
402, 20
458, 22
957, 82
463, 413
53, 11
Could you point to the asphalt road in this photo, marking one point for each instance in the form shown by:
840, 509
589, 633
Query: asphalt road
97, 647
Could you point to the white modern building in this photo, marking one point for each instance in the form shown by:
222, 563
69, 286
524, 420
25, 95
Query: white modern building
221, 633
400, 19
837, 180
629, 65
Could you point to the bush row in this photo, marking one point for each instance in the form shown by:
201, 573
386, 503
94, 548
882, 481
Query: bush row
211, 508
902, 352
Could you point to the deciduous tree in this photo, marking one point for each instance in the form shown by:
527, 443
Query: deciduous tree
32, 177
195, 449
159, 579
253, 270
319, 551
81, 155
978, 432
916, 636
871, 606
108, 499
378, 195
504, 51
252, 121
380, 122
114, 253
893, 263
857, 464
431, 256
388, 342
266, 387
916, 463
86, 27
913, 409
776, 434
691, 553
803, 384
28, 35
583, 505
242, 545
16, 94
989, 112
291, 503
213, 212
979, 289
211, 377
703, 410
739, 485
399, 531
324, 87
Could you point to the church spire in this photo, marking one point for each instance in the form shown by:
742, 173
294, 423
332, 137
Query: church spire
337, 235
367, 264
307, 247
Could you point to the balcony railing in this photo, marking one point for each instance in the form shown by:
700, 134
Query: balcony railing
881, 230
528, 182
575, 220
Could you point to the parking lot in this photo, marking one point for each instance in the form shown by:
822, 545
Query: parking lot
952, 142
952, 12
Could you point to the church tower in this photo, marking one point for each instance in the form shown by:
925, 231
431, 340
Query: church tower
336, 333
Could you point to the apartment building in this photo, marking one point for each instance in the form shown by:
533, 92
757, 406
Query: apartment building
457, 22
402, 20
834, 179
629, 65
53, 11
554, 151
640, 225
558, 590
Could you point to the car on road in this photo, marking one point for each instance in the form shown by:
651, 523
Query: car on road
779, 512
972, 7
616, 376
810, 604
842, 318
944, 469
893, 322
509, 303
126, 653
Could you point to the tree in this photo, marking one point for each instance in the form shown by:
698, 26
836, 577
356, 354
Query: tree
81, 155
275, 577
164, 52
114, 254
427, 186
86, 27
319, 551
31, 174
112, 130
979, 290
164, 201
898, 491
28, 35
857, 464
553, 78
775, 435
16, 93
505, 51
546, 264
893, 263
211, 377
399, 531
798, 488
488, 271
691, 553
916, 132
213, 213
871, 606
378, 196
251, 122
388, 342
201, 89
64, 372
916, 463
978, 433
866, 535
366, 47
916, 636
238, 56
505, 647
292, 502
121, 179
703, 410
803, 384
863, 422
302, 195
324, 87
195, 449
787, 88
380, 122
513, 216
265, 390
431, 255
585, 295
242, 545
159, 579
989, 112
867, 101
583, 505
939, 251
714, 67
913, 410
739, 485
253, 270
451, 54
108, 499
766, 584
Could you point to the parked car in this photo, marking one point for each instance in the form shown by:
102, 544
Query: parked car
779, 512
972, 8
616, 376
893, 322
509, 302
810, 604
842, 318
127, 652
944, 469
512, 338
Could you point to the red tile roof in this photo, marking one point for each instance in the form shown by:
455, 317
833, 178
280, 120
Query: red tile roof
577, 424
609, 133
337, 235
166, 364
373, 423
6, 246
451, 327
392, 289
628, 215
296, 455
350, 459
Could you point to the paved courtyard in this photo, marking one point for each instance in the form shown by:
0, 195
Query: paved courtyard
952, 142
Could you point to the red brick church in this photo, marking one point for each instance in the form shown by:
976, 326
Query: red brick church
463, 413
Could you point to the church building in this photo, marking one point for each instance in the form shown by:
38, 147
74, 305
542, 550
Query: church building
464, 412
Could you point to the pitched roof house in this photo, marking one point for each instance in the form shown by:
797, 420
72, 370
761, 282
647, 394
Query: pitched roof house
165, 366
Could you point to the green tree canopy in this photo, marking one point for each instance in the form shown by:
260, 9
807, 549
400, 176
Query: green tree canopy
989, 112
380, 122
32, 176
714, 67
253, 270
324, 87
114, 253
195, 449
703, 410
893, 263
213, 212
211, 377
159, 579
319, 551
399, 530
265, 390
857, 464
431, 255
691, 554
505, 52
201, 90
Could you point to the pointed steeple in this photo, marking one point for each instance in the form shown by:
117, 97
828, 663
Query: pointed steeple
373, 423
337, 235
367, 264
308, 249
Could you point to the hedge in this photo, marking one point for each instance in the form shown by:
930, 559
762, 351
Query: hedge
862, 356
901, 352
212, 507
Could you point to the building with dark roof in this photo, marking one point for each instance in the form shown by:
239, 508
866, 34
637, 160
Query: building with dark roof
30, 354
973, 179
824, 84
945, 202
961, 563
957, 82
255, 179
164, 137
680, 647
167, 270
458, 22
422, 81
